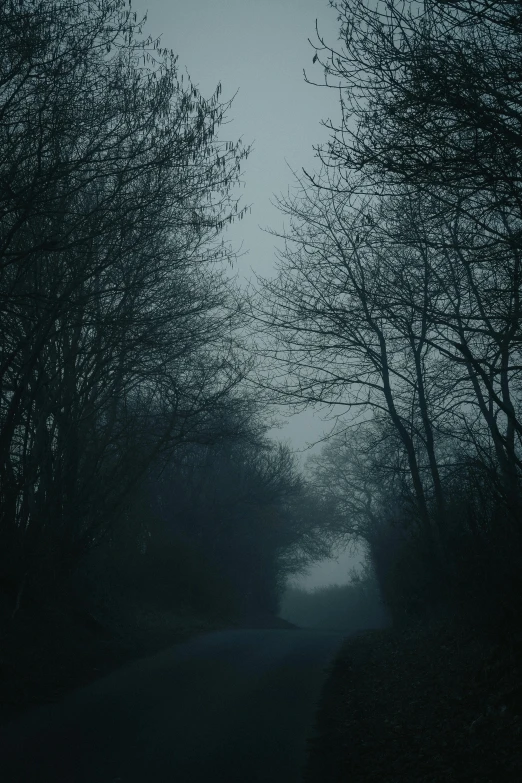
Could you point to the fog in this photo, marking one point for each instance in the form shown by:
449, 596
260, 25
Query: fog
260, 308
258, 51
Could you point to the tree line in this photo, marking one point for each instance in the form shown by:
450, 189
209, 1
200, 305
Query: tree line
397, 300
130, 438
126, 427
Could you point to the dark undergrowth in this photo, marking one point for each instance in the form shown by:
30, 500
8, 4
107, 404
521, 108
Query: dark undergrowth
438, 702
48, 650
51, 650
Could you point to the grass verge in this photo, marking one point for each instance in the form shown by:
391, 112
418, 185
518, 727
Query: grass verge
436, 703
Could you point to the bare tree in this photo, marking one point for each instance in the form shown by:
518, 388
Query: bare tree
343, 329
430, 95
120, 332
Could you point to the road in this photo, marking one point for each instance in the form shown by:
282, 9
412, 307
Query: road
227, 706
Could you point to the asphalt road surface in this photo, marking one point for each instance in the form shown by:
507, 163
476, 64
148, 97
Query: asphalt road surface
226, 706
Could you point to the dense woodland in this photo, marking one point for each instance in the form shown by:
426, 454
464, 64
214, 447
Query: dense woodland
134, 462
398, 299
138, 381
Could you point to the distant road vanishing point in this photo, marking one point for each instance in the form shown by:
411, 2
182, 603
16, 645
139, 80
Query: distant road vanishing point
227, 706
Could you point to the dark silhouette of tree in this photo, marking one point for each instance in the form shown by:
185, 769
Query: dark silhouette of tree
398, 292
119, 330
219, 528
244, 506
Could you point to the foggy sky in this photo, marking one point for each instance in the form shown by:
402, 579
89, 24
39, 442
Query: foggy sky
258, 49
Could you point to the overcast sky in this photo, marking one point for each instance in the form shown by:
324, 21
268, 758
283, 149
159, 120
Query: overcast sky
258, 49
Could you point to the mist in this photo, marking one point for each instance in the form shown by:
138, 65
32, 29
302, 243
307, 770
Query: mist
260, 410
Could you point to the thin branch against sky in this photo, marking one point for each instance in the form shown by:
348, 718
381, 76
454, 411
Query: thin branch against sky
258, 51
